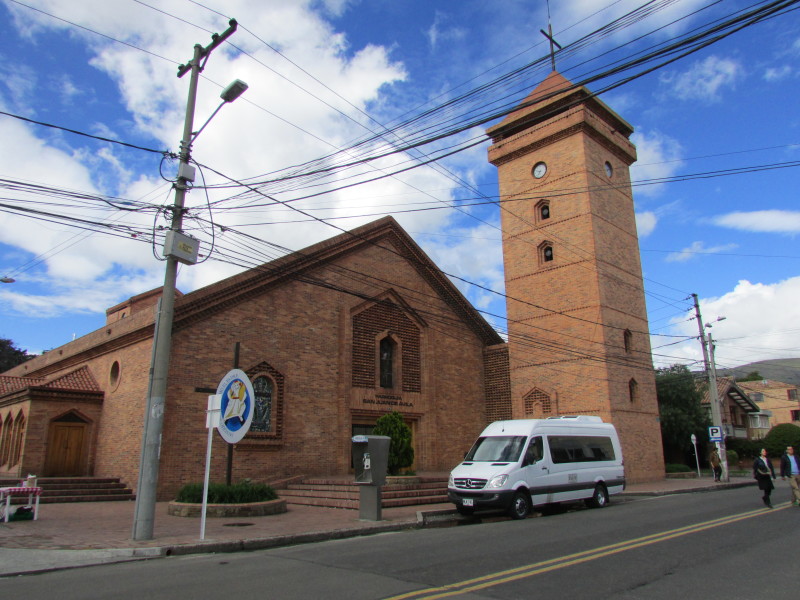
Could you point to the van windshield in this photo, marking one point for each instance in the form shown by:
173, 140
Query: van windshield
503, 448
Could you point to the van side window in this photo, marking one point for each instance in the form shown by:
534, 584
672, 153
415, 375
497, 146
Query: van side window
534, 452
574, 448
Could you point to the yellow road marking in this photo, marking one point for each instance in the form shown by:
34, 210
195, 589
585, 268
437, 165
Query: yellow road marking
492, 579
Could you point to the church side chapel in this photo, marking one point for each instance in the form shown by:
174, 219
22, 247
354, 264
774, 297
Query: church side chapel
338, 334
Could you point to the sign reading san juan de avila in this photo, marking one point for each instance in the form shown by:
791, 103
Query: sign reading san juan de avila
388, 402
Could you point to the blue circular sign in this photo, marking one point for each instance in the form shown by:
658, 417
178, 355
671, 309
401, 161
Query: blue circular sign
236, 406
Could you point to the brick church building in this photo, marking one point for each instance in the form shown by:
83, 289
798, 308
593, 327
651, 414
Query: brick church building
337, 334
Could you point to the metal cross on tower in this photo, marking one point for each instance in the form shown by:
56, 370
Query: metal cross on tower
549, 35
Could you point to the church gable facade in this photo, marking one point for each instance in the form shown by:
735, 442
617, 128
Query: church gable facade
332, 338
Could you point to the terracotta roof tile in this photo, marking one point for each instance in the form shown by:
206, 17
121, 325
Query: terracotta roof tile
76, 380
9, 383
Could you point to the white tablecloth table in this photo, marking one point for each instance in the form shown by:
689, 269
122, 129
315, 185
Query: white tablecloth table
7, 492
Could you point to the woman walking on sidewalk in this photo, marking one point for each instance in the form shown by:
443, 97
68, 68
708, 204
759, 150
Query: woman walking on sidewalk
764, 473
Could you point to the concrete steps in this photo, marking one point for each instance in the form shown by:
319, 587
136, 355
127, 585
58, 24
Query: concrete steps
75, 489
343, 493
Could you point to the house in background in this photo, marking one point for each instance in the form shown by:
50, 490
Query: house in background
741, 417
776, 397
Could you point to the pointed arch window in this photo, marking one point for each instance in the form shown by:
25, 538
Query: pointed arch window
633, 390
264, 388
537, 403
542, 210
15, 449
5, 439
627, 338
546, 253
387, 351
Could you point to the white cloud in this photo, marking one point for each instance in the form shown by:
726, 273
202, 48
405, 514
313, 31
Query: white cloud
474, 254
697, 248
659, 156
242, 140
704, 80
761, 221
645, 223
438, 32
773, 74
760, 324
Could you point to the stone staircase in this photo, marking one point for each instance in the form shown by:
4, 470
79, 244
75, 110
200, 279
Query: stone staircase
344, 493
74, 489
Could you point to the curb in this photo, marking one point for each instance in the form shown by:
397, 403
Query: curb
695, 490
251, 544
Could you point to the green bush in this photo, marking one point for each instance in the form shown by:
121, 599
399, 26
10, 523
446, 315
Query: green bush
220, 493
744, 448
401, 452
733, 457
676, 468
779, 437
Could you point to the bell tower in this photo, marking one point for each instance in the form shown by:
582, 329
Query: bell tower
577, 323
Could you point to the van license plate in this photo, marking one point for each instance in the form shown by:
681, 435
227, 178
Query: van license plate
467, 502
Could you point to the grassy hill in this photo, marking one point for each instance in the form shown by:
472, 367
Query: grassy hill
786, 370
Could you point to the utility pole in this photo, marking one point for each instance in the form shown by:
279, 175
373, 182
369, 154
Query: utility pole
146, 488
711, 372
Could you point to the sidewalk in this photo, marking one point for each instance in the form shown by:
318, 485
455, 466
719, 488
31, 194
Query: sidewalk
79, 534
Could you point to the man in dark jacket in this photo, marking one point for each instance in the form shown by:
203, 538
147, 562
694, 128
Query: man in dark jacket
790, 467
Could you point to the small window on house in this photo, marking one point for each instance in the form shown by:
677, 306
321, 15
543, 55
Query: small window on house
756, 396
627, 338
633, 390
387, 351
792, 394
796, 415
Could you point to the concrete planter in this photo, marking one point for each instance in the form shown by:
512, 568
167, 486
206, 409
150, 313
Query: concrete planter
249, 509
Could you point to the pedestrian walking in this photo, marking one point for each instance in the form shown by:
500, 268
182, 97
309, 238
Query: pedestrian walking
716, 464
791, 468
764, 473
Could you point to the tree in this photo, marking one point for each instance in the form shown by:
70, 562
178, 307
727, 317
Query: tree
11, 356
779, 437
401, 452
680, 410
751, 376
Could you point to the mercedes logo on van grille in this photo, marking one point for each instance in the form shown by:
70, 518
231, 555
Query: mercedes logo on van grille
470, 484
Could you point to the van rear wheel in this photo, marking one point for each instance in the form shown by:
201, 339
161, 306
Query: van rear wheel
520, 505
599, 497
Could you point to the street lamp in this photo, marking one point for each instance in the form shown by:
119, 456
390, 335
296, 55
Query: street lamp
7, 280
228, 95
174, 251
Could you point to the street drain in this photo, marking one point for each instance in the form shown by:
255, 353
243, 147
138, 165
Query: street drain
238, 524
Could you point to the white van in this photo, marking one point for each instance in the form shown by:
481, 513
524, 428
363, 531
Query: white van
515, 465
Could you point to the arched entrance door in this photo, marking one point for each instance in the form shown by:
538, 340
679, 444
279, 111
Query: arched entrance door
66, 446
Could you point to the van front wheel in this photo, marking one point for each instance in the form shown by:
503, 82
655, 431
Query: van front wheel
520, 505
599, 498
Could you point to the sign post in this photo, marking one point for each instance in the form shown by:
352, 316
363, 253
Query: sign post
230, 411
696, 456
212, 421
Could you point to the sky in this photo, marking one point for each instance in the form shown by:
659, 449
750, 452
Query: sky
411, 86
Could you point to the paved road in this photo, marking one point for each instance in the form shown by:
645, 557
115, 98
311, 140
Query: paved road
721, 545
